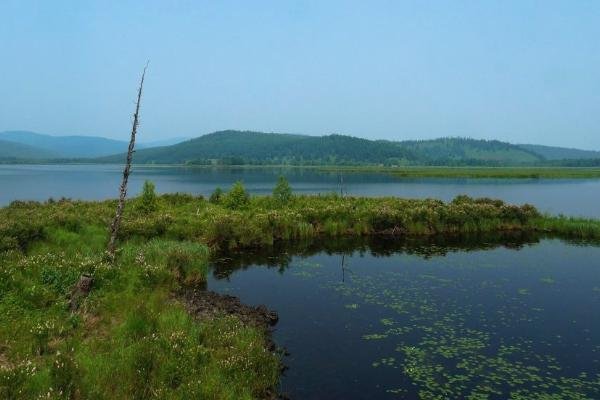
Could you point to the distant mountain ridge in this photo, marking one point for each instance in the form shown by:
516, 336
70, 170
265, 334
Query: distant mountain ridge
49, 147
233, 147
67, 146
163, 142
18, 151
248, 147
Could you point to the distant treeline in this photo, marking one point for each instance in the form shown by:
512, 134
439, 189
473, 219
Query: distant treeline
258, 148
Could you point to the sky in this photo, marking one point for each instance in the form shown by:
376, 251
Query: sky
519, 71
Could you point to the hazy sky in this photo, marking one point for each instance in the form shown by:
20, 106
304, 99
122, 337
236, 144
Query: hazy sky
521, 71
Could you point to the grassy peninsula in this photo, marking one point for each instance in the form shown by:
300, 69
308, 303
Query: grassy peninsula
133, 336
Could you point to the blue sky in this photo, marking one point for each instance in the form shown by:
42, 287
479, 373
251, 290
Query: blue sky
521, 71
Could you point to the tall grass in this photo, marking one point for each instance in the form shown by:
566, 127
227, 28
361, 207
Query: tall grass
568, 227
131, 339
262, 221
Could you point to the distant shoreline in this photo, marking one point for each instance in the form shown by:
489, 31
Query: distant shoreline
405, 172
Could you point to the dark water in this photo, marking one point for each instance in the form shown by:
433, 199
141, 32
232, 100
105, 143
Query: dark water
94, 182
513, 318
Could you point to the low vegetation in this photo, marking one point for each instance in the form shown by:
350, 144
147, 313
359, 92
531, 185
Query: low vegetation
478, 172
132, 337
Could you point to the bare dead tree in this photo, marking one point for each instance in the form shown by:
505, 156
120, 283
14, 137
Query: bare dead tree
114, 227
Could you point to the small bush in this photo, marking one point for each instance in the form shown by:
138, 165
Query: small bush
216, 196
178, 198
151, 227
282, 193
20, 233
237, 198
164, 260
148, 198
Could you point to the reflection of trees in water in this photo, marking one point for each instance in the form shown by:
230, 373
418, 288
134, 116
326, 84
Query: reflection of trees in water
280, 255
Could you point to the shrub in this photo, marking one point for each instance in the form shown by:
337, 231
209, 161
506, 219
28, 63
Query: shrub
237, 198
20, 233
178, 198
282, 193
162, 260
217, 196
148, 228
148, 198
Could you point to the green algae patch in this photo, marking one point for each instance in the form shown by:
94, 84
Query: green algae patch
375, 336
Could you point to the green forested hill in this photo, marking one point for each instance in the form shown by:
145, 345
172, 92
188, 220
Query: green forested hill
449, 151
237, 147
246, 147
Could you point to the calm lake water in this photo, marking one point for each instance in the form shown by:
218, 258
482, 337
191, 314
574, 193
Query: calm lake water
95, 182
517, 320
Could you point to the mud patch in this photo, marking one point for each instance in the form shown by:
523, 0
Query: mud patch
205, 304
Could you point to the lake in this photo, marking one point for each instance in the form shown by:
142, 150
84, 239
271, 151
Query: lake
576, 197
497, 318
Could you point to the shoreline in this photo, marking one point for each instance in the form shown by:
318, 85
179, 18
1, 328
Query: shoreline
400, 172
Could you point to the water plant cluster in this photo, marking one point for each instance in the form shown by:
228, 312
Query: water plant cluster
452, 348
470, 326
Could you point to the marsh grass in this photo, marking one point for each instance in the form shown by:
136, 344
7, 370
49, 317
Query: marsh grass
254, 222
569, 227
131, 339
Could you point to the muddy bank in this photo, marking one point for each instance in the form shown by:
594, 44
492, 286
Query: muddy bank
205, 304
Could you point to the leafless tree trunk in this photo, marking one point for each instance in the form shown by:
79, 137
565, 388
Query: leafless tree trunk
114, 227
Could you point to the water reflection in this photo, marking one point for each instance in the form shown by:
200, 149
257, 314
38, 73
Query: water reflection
281, 255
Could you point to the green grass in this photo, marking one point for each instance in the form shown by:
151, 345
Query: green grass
131, 339
261, 221
569, 227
